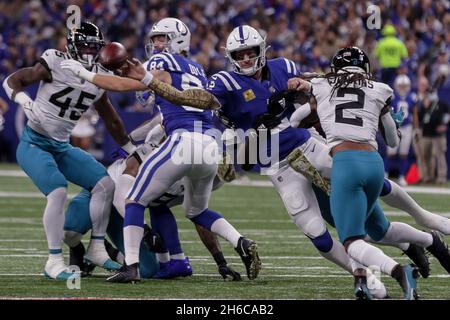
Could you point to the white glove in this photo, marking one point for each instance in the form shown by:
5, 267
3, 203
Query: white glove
27, 104
77, 69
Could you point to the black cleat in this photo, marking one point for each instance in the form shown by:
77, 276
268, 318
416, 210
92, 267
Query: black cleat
418, 256
248, 250
362, 292
126, 274
153, 240
440, 251
76, 258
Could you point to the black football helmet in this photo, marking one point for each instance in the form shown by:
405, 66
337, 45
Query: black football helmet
350, 57
84, 43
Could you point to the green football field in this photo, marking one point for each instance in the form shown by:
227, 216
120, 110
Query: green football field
291, 268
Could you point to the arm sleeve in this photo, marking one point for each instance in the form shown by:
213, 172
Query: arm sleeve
301, 113
390, 130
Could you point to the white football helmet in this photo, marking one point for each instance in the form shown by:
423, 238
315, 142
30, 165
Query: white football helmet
402, 85
245, 37
178, 36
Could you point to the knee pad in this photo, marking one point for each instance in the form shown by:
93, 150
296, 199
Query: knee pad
312, 226
323, 243
104, 185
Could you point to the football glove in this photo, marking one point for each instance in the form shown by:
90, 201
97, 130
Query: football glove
398, 117
266, 121
280, 101
228, 273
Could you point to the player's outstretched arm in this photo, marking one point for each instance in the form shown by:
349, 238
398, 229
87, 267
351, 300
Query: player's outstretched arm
160, 83
196, 98
113, 123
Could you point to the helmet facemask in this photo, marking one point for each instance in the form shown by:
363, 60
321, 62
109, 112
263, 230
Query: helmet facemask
150, 48
84, 48
259, 59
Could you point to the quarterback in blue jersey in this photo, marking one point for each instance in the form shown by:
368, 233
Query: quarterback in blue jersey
189, 152
404, 99
243, 95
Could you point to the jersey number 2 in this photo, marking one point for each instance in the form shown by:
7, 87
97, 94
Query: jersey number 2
359, 104
64, 105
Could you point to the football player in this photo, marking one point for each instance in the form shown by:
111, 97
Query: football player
175, 73
403, 101
357, 171
44, 151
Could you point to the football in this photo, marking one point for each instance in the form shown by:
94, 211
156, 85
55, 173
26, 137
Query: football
113, 56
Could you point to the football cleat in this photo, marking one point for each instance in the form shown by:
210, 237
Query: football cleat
77, 259
417, 255
126, 274
440, 251
362, 292
408, 282
248, 250
55, 268
174, 268
97, 255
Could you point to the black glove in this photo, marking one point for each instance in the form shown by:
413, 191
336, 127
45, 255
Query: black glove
153, 240
228, 273
280, 101
266, 121
224, 119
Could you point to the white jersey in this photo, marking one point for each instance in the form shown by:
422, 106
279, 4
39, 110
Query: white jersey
60, 103
353, 113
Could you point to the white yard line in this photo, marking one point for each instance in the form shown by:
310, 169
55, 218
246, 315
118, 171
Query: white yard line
262, 183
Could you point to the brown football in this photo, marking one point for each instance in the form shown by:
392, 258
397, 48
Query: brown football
113, 56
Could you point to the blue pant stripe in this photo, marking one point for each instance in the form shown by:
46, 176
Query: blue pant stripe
154, 169
55, 251
149, 160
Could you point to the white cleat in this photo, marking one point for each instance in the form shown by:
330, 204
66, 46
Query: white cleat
434, 222
55, 268
375, 286
96, 254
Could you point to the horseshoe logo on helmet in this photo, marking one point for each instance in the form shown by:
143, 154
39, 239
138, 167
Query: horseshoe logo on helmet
184, 31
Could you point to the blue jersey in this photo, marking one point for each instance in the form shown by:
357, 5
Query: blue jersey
407, 103
243, 99
185, 74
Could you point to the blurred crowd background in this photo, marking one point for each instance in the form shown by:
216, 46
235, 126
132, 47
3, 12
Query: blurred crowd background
306, 31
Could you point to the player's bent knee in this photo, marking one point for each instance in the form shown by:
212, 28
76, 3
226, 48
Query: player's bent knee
104, 185
314, 228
